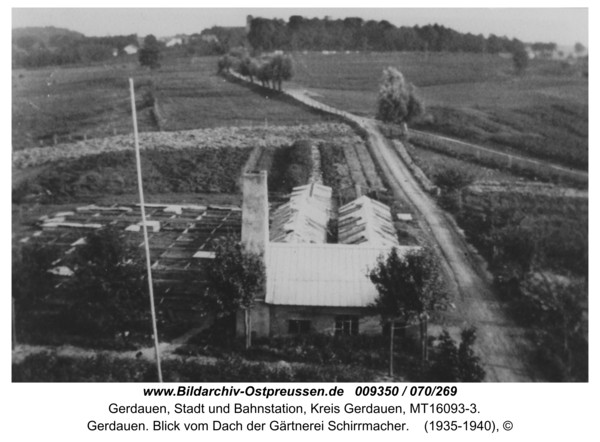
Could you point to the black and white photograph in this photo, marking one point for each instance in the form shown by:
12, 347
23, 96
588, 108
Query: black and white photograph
304, 195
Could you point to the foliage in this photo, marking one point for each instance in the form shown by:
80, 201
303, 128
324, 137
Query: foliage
455, 364
397, 100
282, 69
353, 33
31, 280
292, 167
224, 64
109, 287
407, 285
48, 367
359, 351
452, 178
560, 305
164, 171
149, 55
38, 47
520, 59
237, 277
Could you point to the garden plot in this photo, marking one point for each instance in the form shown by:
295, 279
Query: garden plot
184, 230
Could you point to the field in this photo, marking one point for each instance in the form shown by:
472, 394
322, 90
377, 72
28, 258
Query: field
93, 101
477, 98
534, 238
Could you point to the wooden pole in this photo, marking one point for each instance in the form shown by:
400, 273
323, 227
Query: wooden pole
145, 228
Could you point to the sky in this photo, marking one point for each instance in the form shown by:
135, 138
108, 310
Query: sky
564, 26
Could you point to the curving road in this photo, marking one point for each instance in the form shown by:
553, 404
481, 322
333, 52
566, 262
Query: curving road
502, 346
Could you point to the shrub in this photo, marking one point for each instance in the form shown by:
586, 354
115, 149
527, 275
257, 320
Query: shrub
455, 364
108, 289
452, 178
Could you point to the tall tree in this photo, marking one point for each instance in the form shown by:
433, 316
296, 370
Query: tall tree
520, 59
579, 48
108, 288
237, 277
398, 102
408, 287
149, 55
282, 68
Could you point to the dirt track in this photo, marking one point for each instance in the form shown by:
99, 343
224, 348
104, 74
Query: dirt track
501, 345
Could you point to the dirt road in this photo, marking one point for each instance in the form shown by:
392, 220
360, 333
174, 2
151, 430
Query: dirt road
501, 345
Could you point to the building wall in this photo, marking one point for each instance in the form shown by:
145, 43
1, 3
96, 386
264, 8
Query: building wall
322, 318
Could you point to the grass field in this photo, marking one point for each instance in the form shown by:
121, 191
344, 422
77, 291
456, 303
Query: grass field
93, 101
473, 97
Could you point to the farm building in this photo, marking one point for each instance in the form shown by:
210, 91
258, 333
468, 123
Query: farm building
312, 285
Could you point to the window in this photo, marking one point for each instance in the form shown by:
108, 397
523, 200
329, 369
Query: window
297, 326
346, 325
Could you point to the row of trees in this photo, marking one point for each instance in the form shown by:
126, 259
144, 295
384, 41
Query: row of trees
354, 33
271, 71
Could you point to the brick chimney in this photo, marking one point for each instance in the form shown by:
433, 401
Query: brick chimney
255, 212
255, 238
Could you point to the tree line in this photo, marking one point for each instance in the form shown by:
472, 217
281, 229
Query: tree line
38, 47
270, 70
355, 34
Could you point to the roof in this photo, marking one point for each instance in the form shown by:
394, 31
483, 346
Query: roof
332, 275
368, 222
304, 218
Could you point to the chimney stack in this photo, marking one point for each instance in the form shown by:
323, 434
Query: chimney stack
255, 213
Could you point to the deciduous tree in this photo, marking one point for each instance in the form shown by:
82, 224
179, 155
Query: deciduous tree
408, 287
149, 55
237, 277
398, 102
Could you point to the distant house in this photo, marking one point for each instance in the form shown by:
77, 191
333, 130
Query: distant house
130, 49
174, 42
313, 286
209, 38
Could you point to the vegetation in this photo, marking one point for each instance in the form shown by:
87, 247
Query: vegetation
353, 33
237, 277
520, 59
31, 280
104, 296
408, 287
292, 166
48, 367
270, 70
109, 288
455, 364
537, 249
149, 54
37, 47
93, 101
164, 171
397, 102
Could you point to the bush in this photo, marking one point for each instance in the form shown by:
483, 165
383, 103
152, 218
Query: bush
452, 178
292, 167
48, 367
455, 364
32, 283
108, 289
